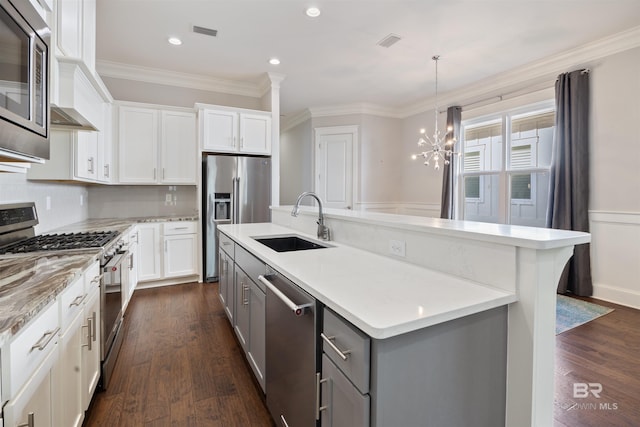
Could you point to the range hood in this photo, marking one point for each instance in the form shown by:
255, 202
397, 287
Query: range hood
77, 95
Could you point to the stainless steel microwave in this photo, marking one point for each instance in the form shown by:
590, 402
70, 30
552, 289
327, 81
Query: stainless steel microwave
24, 81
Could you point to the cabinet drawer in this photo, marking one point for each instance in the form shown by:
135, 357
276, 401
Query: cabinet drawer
251, 265
227, 245
348, 347
71, 302
179, 227
29, 348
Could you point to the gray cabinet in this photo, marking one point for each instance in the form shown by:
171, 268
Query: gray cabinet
243, 313
243, 298
225, 285
344, 405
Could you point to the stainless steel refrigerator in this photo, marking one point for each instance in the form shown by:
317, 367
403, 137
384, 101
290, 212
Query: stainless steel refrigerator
236, 190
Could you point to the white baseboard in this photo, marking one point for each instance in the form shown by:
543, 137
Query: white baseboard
626, 297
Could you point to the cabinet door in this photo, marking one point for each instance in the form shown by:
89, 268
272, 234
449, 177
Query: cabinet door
133, 266
69, 27
345, 405
178, 144
105, 146
69, 396
219, 130
257, 333
180, 255
242, 312
225, 283
137, 145
86, 152
35, 397
255, 133
149, 252
90, 348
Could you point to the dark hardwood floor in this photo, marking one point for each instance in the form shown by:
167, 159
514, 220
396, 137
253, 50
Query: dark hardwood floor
605, 351
181, 365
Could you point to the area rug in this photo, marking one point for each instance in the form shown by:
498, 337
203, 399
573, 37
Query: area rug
572, 312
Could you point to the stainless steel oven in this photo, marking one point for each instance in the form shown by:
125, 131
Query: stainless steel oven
24, 80
114, 274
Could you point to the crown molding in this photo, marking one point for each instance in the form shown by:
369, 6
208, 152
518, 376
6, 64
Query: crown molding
171, 78
538, 74
357, 108
289, 122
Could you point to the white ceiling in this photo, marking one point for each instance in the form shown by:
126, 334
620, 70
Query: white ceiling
333, 59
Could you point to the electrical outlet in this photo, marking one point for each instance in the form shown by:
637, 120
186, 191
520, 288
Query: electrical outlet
397, 248
48, 203
167, 198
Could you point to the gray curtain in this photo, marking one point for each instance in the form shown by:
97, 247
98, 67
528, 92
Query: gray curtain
569, 181
447, 204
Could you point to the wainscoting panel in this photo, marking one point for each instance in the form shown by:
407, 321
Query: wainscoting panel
615, 257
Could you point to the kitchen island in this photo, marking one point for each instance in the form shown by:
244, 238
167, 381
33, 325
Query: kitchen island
478, 266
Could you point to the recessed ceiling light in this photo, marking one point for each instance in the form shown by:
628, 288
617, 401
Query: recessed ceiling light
175, 41
274, 61
313, 12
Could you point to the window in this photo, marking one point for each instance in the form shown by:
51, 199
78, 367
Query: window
505, 167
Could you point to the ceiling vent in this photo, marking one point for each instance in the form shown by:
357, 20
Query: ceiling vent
390, 40
205, 31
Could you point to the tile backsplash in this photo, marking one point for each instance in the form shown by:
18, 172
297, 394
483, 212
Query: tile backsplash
127, 201
57, 204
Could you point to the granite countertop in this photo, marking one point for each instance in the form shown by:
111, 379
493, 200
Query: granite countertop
29, 282
383, 297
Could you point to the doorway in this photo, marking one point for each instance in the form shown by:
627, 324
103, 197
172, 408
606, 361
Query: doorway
336, 165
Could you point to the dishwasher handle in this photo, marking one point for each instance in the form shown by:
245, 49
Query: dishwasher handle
298, 310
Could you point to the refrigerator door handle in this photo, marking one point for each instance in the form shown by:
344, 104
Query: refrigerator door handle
236, 192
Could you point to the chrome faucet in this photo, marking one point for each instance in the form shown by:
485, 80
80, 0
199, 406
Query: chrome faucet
323, 230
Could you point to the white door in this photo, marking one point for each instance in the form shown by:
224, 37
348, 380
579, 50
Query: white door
334, 166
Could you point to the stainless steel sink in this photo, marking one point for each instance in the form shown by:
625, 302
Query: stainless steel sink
289, 243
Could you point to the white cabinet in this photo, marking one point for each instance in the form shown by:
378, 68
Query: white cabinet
167, 250
76, 155
75, 30
105, 146
149, 253
91, 340
156, 146
234, 130
70, 374
132, 267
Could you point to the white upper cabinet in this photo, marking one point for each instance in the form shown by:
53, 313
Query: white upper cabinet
137, 144
86, 162
229, 130
156, 146
178, 157
75, 30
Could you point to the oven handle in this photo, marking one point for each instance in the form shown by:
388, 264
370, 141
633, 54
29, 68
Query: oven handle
298, 310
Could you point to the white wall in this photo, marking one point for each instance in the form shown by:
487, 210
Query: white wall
65, 200
615, 178
296, 160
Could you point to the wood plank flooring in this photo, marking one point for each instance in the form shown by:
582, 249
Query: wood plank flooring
604, 351
181, 365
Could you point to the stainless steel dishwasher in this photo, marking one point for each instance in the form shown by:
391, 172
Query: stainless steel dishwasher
291, 352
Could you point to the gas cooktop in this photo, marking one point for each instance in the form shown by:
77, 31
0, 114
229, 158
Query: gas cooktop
57, 242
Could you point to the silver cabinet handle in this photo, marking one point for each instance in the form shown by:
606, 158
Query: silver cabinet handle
90, 164
45, 340
78, 300
106, 170
94, 322
89, 329
96, 279
318, 407
284, 422
298, 310
242, 142
131, 261
30, 421
344, 354
225, 243
245, 288
181, 228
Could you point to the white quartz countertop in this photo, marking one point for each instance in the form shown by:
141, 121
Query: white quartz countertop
383, 297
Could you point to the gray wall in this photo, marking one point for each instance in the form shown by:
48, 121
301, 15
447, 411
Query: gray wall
296, 160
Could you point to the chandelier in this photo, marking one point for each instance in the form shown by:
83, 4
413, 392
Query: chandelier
437, 148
